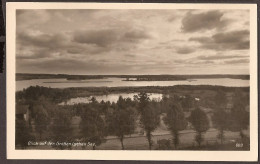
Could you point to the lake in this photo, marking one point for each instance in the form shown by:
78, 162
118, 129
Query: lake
118, 82
110, 97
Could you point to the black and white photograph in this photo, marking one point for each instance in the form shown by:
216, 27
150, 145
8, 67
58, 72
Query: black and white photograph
166, 79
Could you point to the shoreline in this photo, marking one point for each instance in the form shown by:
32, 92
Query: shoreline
75, 92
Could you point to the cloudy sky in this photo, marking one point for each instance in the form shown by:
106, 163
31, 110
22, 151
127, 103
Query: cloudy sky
132, 41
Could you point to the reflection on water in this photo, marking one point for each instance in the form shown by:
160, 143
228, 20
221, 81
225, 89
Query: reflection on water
118, 82
110, 97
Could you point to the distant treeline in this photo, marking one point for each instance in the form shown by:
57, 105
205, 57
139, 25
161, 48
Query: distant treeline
25, 76
61, 94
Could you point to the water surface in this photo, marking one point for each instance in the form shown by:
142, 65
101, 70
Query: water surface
109, 97
119, 82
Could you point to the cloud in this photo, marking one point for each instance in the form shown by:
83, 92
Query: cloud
38, 45
73, 66
130, 55
201, 39
231, 37
172, 18
203, 21
53, 65
35, 54
101, 38
237, 61
233, 40
25, 18
219, 57
129, 41
75, 50
185, 50
135, 35
193, 61
34, 44
107, 37
204, 62
41, 39
29, 46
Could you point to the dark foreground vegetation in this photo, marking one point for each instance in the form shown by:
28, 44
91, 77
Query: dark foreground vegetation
25, 76
181, 108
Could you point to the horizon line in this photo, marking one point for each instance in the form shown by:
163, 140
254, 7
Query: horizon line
120, 74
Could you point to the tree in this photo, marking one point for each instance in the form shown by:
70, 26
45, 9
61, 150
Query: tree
121, 121
41, 119
61, 128
175, 120
220, 99
239, 117
221, 122
92, 126
22, 133
149, 116
221, 117
187, 102
150, 120
93, 100
143, 100
200, 123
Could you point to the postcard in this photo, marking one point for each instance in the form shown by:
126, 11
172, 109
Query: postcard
132, 81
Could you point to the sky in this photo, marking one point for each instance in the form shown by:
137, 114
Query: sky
132, 42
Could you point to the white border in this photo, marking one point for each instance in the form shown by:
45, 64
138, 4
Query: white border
251, 155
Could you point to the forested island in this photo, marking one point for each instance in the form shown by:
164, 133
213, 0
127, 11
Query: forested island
27, 76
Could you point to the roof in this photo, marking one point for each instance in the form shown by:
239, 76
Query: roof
21, 109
